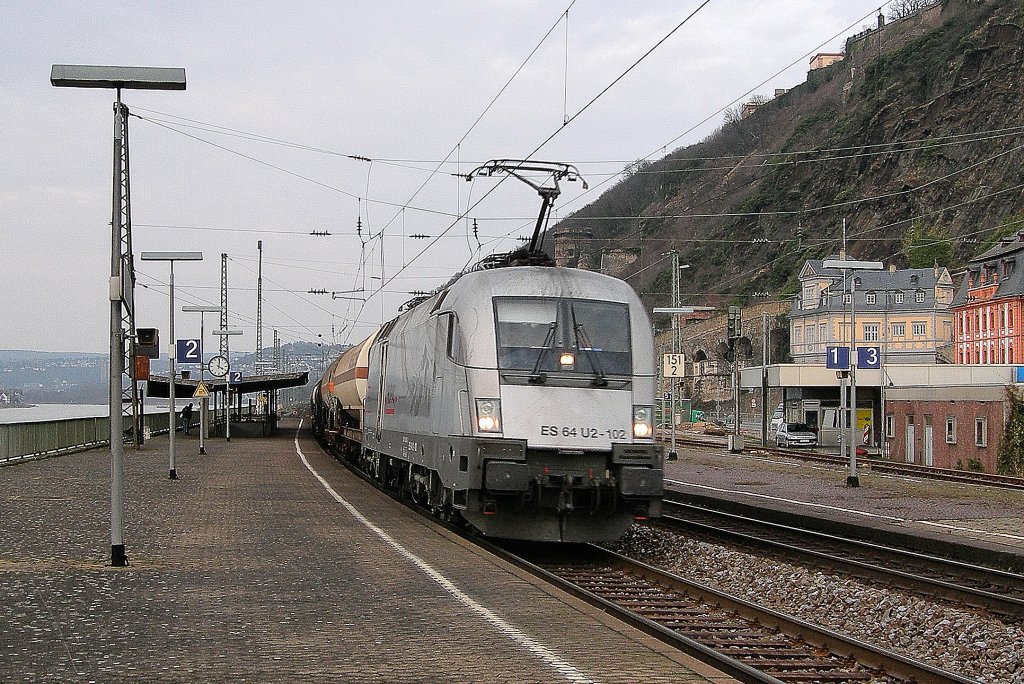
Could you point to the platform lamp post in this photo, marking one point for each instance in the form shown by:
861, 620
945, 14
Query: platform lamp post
202, 310
121, 267
170, 258
853, 265
227, 389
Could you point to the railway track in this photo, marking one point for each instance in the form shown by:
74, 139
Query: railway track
874, 464
746, 641
962, 583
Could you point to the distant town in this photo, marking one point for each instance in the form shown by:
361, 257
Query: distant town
31, 377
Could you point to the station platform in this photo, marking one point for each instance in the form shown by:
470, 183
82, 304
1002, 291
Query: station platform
973, 522
267, 561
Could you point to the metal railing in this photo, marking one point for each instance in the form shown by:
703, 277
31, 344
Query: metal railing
27, 441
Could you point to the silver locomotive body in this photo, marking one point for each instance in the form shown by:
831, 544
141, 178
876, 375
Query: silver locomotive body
522, 398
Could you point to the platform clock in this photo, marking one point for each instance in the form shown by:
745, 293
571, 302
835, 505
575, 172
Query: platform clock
219, 366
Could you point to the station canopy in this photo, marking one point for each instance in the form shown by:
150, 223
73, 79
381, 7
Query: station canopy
157, 385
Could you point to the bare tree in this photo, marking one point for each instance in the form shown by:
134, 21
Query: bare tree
904, 8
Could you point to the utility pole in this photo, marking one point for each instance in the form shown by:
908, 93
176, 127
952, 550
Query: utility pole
674, 384
223, 347
259, 308
764, 378
735, 440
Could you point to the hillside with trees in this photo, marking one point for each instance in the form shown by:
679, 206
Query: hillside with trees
915, 140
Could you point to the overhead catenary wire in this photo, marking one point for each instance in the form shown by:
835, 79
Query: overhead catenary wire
664, 147
463, 214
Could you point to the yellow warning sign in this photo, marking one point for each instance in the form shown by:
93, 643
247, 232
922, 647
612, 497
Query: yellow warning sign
201, 392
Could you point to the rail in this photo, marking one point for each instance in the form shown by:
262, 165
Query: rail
930, 575
874, 464
746, 641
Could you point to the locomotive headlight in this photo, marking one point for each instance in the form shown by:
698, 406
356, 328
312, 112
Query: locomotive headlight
643, 427
488, 415
567, 361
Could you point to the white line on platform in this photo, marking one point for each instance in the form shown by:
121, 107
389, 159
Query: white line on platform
811, 504
549, 657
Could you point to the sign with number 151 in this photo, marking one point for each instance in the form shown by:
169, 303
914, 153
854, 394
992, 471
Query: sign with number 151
673, 365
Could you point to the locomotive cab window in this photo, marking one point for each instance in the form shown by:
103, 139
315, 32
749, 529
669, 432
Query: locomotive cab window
563, 337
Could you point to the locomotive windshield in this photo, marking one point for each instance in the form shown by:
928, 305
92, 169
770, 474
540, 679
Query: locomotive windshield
563, 336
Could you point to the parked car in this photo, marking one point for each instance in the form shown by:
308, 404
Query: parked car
778, 418
795, 434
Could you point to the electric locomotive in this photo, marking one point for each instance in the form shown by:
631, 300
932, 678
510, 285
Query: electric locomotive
518, 399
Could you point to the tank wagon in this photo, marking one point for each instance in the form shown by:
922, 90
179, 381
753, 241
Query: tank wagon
519, 399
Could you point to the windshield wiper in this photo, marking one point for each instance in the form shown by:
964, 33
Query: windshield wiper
595, 363
536, 377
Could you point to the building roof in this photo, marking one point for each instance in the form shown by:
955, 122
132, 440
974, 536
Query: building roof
902, 279
157, 386
1008, 252
909, 280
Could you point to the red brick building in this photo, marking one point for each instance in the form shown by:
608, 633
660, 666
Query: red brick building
961, 431
987, 323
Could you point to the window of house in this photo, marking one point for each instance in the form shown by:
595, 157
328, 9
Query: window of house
1007, 268
981, 432
898, 298
870, 297
919, 328
899, 329
951, 430
846, 298
871, 332
798, 335
822, 332
919, 296
890, 426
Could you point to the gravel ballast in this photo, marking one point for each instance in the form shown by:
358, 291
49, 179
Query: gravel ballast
972, 643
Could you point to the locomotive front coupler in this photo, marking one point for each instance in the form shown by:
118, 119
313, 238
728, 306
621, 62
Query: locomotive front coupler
565, 499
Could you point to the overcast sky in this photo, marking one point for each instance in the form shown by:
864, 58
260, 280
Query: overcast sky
281, 96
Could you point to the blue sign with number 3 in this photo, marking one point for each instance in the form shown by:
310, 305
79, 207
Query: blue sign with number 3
868, 357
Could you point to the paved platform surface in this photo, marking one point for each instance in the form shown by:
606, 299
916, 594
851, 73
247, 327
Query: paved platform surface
981, 517
249, 569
